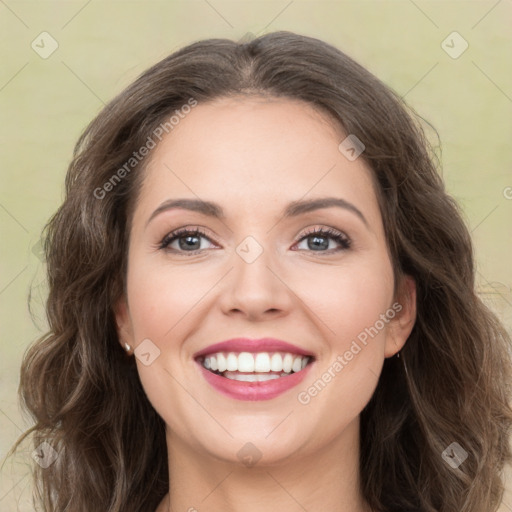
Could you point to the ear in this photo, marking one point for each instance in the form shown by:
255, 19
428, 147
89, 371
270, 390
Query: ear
400, 326
123, 323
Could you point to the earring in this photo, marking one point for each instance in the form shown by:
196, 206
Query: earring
127, 347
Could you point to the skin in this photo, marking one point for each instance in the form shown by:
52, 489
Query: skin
253, 156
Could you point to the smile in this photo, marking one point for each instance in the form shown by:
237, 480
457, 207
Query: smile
254, 367
262, 382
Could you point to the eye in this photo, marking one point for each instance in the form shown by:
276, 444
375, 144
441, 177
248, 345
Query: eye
318, 240
188, 240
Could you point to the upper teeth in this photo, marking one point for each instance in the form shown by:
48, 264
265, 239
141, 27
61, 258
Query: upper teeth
258, 362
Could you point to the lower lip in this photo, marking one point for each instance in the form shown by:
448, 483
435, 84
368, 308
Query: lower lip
266, 390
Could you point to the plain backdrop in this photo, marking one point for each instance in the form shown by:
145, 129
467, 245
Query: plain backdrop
62, 61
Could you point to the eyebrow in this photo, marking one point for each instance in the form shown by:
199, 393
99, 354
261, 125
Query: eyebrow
293, 209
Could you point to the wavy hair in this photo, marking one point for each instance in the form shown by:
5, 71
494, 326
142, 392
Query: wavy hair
451, 384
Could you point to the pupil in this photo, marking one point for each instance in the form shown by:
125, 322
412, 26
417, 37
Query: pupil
187, 243
324, 245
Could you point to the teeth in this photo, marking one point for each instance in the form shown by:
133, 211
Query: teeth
221, 363
245, 362
297, 364
262, 362
252, 377
287, 363
232, 361
276, 363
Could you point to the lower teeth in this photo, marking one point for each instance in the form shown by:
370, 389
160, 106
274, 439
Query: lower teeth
253, 377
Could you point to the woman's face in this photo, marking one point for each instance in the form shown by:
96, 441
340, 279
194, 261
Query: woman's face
256, 271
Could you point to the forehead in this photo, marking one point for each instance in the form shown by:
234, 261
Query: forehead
261, 149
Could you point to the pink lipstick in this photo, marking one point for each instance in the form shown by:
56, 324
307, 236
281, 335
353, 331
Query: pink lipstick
253, 369
253, 345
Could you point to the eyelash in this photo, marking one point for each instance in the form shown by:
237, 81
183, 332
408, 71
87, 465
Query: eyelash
335, 235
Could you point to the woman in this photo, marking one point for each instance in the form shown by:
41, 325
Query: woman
262, 298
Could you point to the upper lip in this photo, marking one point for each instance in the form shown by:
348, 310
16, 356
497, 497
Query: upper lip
252, 345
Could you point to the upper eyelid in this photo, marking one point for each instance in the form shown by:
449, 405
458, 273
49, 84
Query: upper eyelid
204, 231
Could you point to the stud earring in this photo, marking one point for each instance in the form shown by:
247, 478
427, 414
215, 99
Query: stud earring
127, 347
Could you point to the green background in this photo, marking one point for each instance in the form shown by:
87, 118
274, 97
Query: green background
104, 45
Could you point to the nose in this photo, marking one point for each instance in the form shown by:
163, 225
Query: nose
256, 290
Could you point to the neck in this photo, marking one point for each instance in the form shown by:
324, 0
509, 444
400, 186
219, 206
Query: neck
324, 479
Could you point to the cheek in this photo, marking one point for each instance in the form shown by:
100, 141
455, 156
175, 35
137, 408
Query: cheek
348, 299
161, 296
352, 310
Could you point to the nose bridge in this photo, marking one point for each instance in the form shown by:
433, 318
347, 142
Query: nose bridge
252, 261
254, 287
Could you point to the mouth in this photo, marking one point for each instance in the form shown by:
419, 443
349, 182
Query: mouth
254, 367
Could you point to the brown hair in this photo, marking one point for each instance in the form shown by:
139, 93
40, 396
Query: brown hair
84, 392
